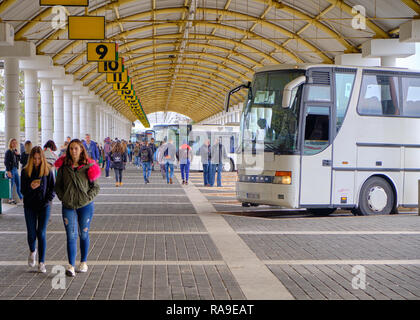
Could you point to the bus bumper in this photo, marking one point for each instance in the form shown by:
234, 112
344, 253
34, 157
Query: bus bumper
267, 193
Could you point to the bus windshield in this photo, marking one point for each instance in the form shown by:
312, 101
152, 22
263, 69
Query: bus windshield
264, 120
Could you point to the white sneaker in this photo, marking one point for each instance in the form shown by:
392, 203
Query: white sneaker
41, 267
70, 271
31, 259
82, 267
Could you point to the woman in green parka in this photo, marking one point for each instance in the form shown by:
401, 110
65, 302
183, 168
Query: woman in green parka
76, 187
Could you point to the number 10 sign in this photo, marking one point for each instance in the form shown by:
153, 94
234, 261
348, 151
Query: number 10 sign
102, 51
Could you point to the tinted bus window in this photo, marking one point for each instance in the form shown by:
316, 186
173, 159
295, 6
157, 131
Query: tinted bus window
379, 95
411, 96
343, 88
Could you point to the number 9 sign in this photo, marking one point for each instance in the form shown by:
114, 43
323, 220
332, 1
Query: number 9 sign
102, 51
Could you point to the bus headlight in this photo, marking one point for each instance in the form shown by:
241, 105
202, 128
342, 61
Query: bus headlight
283, 177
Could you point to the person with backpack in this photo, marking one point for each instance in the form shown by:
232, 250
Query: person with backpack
169, 156
185, 159
146, 157
91, 148
136, 155
118, 161
76, 187
25, 155
37, 186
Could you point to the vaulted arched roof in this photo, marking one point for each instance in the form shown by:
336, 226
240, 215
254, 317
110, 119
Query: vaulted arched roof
184, 55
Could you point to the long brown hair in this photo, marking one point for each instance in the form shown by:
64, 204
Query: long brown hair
44, 168
84, 157
118, 148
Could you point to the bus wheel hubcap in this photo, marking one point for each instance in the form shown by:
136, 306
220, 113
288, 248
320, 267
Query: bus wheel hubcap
377, 199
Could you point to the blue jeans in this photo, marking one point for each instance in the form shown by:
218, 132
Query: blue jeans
168, 166
206, 171
36, 225
118, 175
185, 170
15, 180
147, 170
137, 161
84, 217
214, 168
108, 163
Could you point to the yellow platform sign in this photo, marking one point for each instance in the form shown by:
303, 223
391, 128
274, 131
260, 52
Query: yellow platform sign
86, 28
67, 3
123, 86
102, 51
116, 66
121, 77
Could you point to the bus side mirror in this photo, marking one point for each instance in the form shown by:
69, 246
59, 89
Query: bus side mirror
234, 90
290, 90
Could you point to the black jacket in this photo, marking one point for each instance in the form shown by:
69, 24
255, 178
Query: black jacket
41, 196
11, 160
149, 154
24, 159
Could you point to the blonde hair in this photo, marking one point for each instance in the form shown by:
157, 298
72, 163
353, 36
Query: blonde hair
124, 146
44, 167
10, 143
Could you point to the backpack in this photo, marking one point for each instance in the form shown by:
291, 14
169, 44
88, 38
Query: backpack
117, 158
144, 155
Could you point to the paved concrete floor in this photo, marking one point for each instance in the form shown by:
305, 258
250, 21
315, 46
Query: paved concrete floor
161, 241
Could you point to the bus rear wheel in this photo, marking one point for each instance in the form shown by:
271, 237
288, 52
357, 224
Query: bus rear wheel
376, 197
321, 212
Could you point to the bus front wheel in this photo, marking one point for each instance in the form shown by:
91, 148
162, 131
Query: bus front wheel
376, 197
321, 212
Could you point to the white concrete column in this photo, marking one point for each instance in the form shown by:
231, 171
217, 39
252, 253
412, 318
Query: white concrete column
97, 123
89, 119
58, 115
68, 115
11, 99
82, 117
93, 120
46, 111
31, 106
76, 116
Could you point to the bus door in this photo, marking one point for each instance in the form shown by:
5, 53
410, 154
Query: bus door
316, 154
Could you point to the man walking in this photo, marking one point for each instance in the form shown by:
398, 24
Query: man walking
152, 147
91, 148
219, 155
169, 156
146, 157
205, 153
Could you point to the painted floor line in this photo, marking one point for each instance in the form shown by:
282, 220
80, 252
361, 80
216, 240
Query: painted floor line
119, 263
328, 232
141, 195
341, 262
256, 281
118, 232
137, 203
121, 214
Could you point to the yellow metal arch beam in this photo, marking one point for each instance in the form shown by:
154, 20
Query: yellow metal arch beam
6, 4
186, 77
188, 52
157, 88
190, 99
269, 25
195, 60
182, 103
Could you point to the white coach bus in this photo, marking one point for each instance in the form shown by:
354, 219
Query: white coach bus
212, 132
331, 137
